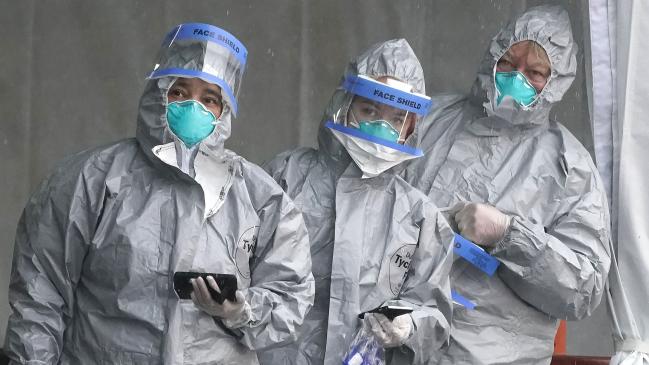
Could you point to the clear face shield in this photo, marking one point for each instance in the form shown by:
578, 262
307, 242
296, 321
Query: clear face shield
376, 120
206, 52
381, 112
379, 120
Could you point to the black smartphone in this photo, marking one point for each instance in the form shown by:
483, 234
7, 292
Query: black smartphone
389, 311
226, 282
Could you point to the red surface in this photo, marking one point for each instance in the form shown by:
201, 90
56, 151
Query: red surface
560, 339
560, 357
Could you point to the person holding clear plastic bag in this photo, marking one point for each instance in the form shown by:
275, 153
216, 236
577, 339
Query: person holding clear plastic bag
375, 240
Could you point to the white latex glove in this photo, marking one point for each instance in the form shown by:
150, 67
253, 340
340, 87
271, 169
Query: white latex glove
481, 223
390, 333
234, 314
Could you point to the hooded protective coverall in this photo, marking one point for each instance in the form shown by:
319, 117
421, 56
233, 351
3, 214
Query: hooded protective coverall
555, 255
98, 243
358, 229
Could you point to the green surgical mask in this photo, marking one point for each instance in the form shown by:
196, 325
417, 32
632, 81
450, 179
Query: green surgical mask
380, 129
515, 85
190, 121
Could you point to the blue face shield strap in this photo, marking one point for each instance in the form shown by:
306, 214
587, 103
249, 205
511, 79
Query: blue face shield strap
181, 72
208, 33
358, 134
475, 255
382, 93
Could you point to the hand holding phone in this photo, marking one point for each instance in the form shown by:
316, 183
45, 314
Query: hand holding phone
390, 311
226, 282
234, 313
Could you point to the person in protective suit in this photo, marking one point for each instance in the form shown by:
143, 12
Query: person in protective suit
375, 239
99, 242
521, 186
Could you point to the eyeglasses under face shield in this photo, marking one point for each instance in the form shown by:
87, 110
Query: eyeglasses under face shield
383, 113
207, 52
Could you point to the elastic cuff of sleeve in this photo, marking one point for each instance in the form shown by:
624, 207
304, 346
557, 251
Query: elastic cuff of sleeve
412, 327
500, 245
407, 342
241, 320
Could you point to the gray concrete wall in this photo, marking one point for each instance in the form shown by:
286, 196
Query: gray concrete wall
71, 73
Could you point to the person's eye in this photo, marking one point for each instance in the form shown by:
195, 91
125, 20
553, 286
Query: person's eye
212, 101
369, 111
503, 63
536, 75
178, 92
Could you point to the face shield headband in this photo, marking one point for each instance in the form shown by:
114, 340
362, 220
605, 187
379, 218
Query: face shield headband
206, 52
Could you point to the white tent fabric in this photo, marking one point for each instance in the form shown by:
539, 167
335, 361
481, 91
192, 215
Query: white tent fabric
620, 111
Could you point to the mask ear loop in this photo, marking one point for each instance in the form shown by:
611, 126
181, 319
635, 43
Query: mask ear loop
538, 94
218, 120
496, 91
403, 125
354, 123
340, 116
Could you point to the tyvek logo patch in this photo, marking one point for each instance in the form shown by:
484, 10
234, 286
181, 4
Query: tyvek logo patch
399, 265
246, 245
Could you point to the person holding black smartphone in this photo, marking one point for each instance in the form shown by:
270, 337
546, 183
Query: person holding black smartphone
375, 240
99, 242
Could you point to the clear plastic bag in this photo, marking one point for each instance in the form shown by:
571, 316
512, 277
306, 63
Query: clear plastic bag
364, 349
